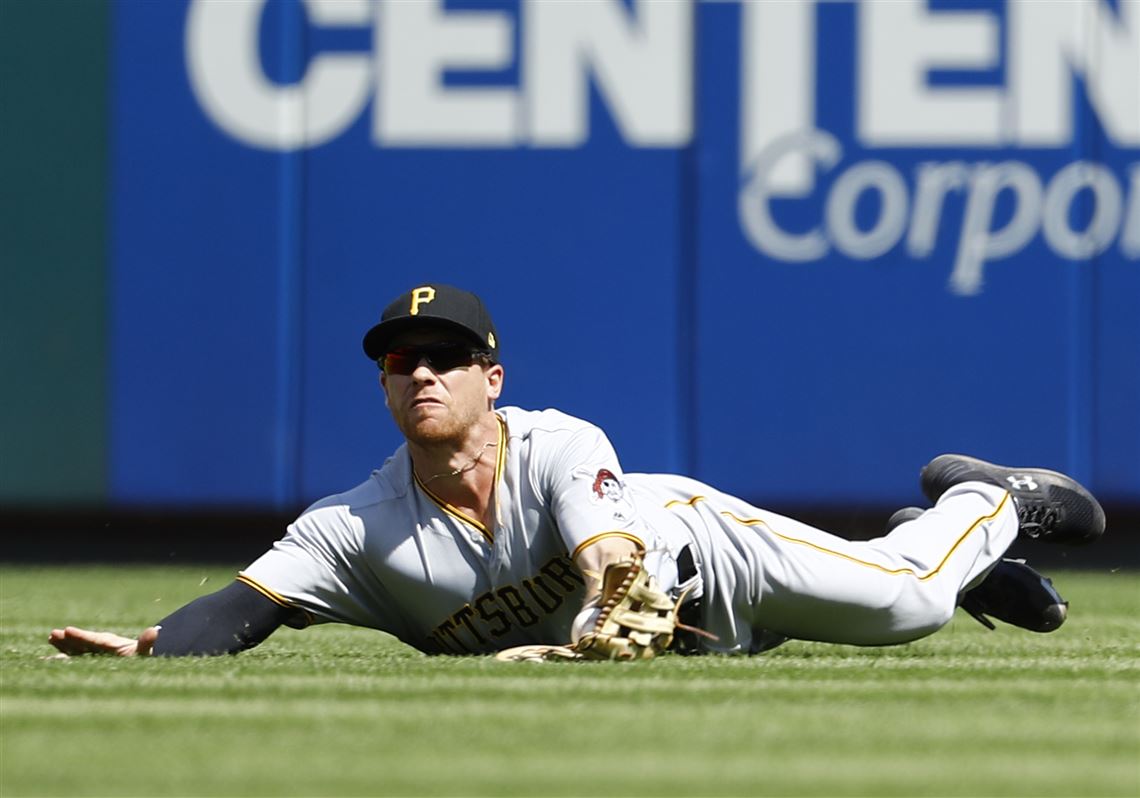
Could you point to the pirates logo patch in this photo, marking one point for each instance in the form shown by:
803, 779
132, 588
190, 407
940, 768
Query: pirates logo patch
606, 489
607, 486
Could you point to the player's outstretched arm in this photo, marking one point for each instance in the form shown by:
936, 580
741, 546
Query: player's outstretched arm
233, 619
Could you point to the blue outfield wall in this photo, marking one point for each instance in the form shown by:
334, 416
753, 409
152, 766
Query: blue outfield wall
792, 249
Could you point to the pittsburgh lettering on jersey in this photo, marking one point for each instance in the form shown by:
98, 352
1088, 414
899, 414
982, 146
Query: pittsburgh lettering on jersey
474, 627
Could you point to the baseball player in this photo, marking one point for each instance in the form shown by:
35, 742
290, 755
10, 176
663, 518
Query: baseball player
497, 529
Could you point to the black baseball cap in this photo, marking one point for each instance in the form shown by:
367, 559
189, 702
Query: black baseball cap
434, 305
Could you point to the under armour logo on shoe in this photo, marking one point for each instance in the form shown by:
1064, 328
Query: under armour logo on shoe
1021, 482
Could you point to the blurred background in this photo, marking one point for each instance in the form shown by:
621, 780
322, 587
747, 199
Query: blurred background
793, 249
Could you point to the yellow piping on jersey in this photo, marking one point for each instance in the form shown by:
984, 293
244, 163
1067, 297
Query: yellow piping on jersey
455, 512
276, 598
501, 460
500, 464
613, 534
876, 566
303, 620
690, 502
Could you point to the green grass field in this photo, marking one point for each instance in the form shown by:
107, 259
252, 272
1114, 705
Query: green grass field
341, 711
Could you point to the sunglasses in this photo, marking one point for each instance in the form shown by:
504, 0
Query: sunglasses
439, 357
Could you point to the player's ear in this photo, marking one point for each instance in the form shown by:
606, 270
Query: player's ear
494, 375
384, 386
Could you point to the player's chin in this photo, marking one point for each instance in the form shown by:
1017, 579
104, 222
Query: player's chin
428, 428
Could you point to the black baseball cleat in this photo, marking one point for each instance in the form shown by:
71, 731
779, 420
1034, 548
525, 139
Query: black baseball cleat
1051, 507
901, 516
1014, 593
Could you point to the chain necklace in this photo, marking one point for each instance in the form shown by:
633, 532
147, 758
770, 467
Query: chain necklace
469, 465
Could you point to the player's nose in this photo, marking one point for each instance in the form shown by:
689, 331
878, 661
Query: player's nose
423, 372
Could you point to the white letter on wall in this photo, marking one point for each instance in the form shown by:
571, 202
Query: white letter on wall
899, 43
416, 42
777, 88
1049, 42
224, 67
643, 64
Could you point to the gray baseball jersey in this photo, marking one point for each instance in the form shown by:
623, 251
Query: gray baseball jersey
390, 555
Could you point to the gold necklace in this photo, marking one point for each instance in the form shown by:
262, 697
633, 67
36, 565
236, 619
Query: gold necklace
463, 469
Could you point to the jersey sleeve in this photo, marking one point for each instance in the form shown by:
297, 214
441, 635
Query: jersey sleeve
311, 567
588, 495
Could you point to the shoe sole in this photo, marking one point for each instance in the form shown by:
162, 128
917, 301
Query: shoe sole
1015, 594
1083, 518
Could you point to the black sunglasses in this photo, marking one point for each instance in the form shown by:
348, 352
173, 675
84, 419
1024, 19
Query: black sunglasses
440, 358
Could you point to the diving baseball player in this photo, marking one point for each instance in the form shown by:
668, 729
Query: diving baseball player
497, 529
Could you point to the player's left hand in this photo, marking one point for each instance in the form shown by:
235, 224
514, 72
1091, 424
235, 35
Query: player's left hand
73, 641
634, 620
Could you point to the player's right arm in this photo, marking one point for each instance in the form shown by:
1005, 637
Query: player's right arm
233, 619
309, 567
312, 574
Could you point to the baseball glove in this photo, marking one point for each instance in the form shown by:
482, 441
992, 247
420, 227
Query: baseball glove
636, 621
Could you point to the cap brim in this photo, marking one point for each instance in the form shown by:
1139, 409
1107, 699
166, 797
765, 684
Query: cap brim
377, 341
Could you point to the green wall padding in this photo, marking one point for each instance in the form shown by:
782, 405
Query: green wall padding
53, 259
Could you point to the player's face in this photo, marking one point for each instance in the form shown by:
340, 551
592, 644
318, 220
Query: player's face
432, 407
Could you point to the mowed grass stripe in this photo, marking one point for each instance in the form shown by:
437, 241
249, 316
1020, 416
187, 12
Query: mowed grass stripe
778, 748
41, 695
339, 711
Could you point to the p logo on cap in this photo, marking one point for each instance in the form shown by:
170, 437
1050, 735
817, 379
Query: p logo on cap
421, 296
433, 305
